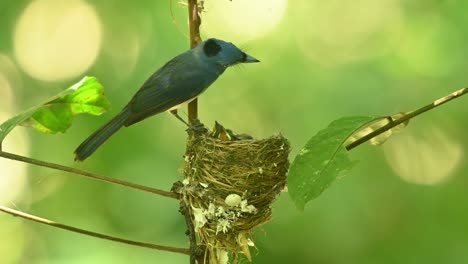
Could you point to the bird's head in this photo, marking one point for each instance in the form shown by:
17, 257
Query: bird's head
223, 53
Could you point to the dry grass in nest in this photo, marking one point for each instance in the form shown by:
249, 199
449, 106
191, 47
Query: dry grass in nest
229, 187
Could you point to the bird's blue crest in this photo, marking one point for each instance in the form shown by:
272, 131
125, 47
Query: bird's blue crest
223, 53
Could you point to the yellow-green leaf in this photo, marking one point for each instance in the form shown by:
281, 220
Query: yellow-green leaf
56, 114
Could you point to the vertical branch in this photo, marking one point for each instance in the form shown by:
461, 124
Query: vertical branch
194, 26
196, 253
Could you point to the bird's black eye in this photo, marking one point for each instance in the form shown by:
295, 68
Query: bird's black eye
244, 56
211, 48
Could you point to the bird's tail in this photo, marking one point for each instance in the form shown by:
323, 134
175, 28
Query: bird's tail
101, 135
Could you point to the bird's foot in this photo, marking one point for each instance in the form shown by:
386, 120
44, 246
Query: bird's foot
197, 127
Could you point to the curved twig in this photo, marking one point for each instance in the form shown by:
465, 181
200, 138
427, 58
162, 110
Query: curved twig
93, 234
87, 174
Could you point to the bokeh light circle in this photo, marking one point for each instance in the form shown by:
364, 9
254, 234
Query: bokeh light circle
56, 40
339, 32
13, 243
9, 79
14, 174
425, 158
241, 19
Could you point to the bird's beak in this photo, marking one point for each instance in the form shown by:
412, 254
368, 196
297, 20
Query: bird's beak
250, 59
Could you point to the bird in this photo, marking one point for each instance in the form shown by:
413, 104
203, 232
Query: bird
179, 81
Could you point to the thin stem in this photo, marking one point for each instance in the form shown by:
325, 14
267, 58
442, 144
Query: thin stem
93, 234
195, 39
406, 117
193, 111
196, 252
87, 174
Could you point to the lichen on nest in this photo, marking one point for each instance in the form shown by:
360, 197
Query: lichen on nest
229, 187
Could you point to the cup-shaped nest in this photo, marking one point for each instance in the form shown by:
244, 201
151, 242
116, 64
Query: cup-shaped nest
229, 187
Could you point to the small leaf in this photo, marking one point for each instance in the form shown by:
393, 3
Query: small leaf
56, 114
89, 99
322, 160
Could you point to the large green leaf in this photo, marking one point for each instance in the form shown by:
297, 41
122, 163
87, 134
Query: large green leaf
322, 160
56, 114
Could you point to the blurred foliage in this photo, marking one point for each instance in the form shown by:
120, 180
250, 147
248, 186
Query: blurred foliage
322, 61
56, 115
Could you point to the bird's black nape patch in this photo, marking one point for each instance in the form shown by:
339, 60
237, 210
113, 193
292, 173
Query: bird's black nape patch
211, 48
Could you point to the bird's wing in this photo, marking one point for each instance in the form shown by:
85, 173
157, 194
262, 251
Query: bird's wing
175, 83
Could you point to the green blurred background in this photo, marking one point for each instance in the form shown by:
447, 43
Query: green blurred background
404, 203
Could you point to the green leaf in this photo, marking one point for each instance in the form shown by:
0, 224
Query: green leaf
56, 114
322, 160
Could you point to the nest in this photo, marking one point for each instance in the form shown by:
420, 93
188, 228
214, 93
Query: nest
229, 187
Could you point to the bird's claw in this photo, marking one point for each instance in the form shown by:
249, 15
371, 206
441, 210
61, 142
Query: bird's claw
198, 127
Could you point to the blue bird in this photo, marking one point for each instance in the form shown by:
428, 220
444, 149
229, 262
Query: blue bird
179, 81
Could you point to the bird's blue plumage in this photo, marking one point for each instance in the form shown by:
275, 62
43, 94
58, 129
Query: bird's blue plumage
180, 80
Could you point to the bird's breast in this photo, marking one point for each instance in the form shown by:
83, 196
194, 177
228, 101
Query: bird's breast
181, 104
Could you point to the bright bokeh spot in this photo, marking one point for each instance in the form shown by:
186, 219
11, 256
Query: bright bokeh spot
9, 77
241, 19
123, 63
13, 241
427, 158
56, 40
128, 33
334, 32
13, 178
13, 174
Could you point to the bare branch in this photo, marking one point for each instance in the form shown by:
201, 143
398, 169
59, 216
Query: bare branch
93, 234
87, 174
407, 117
195, 39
